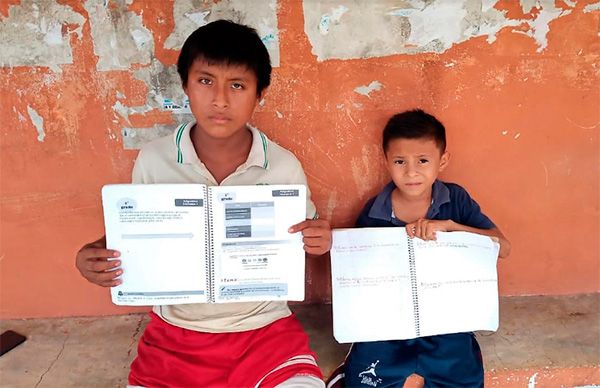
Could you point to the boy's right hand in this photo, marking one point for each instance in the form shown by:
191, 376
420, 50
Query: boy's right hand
98, 265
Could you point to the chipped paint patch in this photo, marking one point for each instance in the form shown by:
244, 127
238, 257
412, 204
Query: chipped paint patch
333, 17
19, 115
135, 138
37, 33
389, 27
540, 26
122, 110
527, 5
531, 383
260, 15
592, 7
367, 90
38, 123
279, 114
120, 39
163, 84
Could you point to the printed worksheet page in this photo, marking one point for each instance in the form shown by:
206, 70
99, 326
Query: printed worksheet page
160, 232
457, 283
255, 258
371, 288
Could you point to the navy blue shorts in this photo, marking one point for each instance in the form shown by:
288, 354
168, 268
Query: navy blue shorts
450, 360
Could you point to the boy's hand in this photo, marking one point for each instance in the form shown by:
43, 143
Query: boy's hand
93, 261
316, 235
425, 229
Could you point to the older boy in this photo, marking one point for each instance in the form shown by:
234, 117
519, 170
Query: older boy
225, 70
414, 144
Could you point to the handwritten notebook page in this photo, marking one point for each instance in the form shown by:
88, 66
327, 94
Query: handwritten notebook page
371, 285
457, 283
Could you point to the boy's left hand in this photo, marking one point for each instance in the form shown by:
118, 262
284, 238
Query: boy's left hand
316, 235
425, 229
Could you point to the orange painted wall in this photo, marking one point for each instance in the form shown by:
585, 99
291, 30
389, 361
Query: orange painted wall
522, 127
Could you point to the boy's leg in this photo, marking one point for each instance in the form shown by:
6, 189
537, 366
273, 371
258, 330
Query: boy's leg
381, 363
173, 356
275, 354
302, 381
450, 360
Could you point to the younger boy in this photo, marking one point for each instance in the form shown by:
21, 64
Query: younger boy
414, 144
225, 70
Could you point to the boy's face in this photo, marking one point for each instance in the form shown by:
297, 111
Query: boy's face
414, 164
222, 97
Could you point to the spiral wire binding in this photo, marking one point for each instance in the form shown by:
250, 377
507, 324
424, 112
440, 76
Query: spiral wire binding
413, 284
210, 250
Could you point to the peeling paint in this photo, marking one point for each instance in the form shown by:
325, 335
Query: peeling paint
527, 5
592, 7
260, 15
135, 138
540, 26
122, 110
38, 123
333, 17
531, 383
19, 115
387, 27
163, 84
32, 34
366, 90
120, 39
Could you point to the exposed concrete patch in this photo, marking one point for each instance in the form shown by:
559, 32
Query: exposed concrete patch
540, 26
388, 27
164, 93
37, 33
366, 90
592, 7
119, 37
261, 15
334, 17
135, 138
38, 123
163, 84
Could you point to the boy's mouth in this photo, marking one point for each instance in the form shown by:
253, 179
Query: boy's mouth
219, 119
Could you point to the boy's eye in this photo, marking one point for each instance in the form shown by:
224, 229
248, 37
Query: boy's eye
205, 81
398, 161
237, 86
423, 161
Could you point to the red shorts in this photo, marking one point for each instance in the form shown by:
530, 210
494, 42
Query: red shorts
175, 357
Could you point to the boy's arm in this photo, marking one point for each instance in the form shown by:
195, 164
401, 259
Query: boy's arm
425, 229
97, 264
316, 235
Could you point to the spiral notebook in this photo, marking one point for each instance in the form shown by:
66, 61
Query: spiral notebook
191, 243
387, 286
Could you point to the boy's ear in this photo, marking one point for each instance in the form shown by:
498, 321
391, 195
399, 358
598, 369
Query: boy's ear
444, 160
262, 95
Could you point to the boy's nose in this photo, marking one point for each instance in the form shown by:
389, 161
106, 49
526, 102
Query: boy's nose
220, 98
411, 169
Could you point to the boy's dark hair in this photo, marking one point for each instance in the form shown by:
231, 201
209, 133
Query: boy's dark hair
224, 42
414, 124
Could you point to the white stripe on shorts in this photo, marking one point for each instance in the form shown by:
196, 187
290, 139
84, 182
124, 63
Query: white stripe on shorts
301, 359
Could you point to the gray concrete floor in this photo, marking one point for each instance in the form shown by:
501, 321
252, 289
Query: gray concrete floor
535, 332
